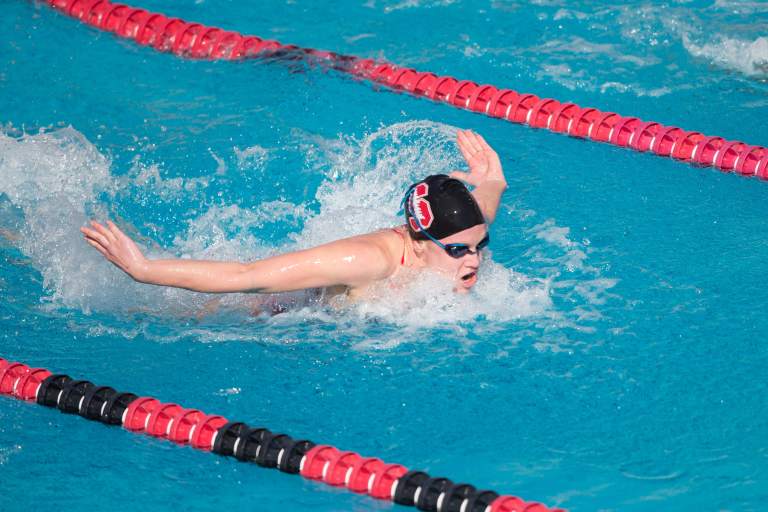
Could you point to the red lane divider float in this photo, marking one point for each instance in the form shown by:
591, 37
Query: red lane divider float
197, 41
323, 463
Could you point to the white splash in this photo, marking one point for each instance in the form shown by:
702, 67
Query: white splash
748, 57
7, 452
59, 180
574, 254
148, 178
366, 178
428, 300
252, 157
54, 178
228, 391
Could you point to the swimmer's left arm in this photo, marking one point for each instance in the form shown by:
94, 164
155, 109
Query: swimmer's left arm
485, 172
351, 261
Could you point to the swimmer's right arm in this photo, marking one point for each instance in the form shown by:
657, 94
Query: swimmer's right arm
351, 262
485, 172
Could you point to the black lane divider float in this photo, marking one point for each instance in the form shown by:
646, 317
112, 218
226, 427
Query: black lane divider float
366, 475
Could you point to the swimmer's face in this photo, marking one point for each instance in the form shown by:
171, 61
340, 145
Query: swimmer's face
462, 270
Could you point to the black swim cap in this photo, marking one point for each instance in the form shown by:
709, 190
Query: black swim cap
444, 207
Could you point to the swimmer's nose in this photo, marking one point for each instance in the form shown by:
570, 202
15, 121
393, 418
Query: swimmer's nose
473, 259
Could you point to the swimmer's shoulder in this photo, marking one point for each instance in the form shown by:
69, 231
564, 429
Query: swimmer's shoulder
387, 244
391, 242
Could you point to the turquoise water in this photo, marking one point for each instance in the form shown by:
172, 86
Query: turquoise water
611, 358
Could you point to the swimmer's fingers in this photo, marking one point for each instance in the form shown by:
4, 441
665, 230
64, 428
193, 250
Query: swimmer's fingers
94, 235
488, 153
116, 231
461, 141
488, 150
466, 142
104, 231
472, 141
471, 153
126, 243
109, 255
98, 247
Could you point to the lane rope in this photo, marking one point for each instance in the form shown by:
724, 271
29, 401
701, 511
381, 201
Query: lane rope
217, 434
197, 41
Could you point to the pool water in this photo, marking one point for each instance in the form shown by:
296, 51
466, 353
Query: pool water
612, 356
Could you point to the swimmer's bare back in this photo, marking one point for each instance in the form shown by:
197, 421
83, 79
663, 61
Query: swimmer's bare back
352, 263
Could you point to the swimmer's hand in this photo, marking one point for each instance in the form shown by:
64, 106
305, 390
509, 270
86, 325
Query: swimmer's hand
484, 164
485, 172
117, 247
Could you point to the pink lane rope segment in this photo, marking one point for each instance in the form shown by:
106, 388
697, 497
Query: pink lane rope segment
193, 40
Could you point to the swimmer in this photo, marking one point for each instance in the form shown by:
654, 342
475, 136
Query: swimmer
445, 230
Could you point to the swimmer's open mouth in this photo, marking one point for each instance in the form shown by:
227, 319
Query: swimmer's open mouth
469, 276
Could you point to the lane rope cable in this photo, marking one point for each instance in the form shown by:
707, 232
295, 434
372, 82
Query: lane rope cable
213, 433
197, 41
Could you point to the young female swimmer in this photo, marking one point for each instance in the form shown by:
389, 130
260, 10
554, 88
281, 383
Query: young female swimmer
446, 229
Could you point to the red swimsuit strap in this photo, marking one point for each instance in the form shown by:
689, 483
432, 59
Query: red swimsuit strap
402, 258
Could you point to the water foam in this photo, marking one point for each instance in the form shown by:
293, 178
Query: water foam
59, 180
745, 56
252, 157
365, 178
54, 178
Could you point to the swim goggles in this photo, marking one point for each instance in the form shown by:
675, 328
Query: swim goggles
460, 250
457, 250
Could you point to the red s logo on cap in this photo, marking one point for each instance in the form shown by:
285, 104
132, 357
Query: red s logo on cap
421, 208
